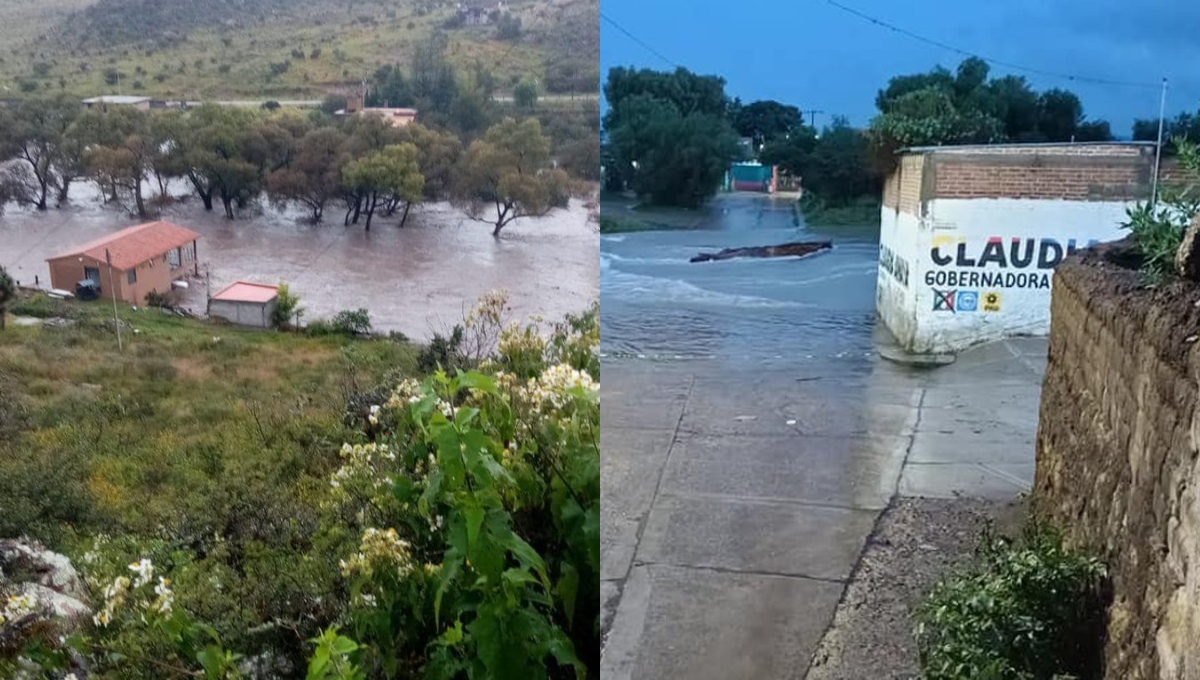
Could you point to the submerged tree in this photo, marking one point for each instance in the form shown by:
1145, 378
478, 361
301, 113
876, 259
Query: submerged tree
507, 175
383, 175
36, 135
313, 178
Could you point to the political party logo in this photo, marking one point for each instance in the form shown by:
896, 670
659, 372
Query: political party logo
968, 301
943, 300
991, 301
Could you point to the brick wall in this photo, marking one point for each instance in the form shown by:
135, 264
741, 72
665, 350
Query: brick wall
902, 188
1081, 173
1117, 455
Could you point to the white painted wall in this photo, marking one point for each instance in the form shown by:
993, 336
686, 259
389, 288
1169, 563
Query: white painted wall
972, 289
243, 313
899, 250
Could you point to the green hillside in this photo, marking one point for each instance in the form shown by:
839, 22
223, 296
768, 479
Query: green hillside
279, 49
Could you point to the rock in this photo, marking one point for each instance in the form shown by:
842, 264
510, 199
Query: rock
28, 561
795, 249
1187, 258
60, 605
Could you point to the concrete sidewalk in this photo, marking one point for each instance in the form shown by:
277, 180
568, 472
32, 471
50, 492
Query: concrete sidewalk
736, 500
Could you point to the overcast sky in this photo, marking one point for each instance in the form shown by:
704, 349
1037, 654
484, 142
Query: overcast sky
816, 56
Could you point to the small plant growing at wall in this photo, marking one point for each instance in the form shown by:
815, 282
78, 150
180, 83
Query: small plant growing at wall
287, 308
1026, 609
1158, 229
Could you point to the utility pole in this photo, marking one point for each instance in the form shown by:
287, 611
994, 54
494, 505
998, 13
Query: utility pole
812, 117
112, 282
1162, 112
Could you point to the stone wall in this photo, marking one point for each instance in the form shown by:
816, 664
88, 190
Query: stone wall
1117, 465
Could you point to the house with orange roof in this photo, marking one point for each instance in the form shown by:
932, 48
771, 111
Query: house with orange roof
130, 264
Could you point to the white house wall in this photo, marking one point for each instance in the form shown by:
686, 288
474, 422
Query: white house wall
895, 289
985, 266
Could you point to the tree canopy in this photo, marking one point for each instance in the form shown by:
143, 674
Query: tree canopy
506, 175
965, 107
670, 134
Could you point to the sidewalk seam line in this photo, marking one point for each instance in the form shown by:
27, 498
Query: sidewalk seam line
875, 528
745, 572
645, 520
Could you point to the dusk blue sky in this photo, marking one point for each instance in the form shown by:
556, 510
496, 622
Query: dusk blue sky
813, 55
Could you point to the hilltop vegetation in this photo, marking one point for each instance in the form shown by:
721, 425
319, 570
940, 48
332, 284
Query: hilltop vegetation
280, 49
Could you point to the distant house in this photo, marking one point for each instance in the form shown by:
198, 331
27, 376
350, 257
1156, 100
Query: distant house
139, 103
245, 304
131, 263
397, 117
479, 13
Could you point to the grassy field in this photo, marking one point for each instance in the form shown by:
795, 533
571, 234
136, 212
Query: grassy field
178, 432
304, 49
622, 214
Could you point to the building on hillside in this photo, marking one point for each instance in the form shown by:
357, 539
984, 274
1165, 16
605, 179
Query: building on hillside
245, 304
139, 103
396, 117
131, 263
970, 235
479, 13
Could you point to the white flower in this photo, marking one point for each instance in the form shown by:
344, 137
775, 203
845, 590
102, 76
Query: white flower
165, 599
144, 570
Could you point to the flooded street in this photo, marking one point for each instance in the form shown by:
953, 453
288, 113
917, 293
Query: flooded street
417, 280
659, 305
752, 436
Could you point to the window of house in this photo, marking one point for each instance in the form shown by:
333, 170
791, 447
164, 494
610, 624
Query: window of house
132, 276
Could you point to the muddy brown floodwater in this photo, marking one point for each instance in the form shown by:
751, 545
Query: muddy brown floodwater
417, 280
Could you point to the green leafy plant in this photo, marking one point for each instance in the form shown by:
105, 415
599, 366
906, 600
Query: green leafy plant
1028, 609
478, 507
1157, 230
287, 307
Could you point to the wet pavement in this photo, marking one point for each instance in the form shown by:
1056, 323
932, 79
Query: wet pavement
752, 436
417, 280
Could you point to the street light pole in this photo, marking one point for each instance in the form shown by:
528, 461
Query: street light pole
1162, 112
112, 283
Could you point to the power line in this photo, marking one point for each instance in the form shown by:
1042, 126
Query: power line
636, 39
997, 62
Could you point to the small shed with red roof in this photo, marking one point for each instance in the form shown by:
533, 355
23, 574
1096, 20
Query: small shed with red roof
130, 264
245, 303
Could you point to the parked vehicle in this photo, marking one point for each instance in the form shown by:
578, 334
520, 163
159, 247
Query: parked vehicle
87, 289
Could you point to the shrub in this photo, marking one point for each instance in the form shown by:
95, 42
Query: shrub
508, 27
1157, 230
525, 94
443, 352
353, 322
287, 308
41, 307
1028, 609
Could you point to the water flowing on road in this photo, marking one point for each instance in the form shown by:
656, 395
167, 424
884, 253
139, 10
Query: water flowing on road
657, 304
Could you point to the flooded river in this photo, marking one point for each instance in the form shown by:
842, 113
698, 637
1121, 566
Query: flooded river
417, 280
657, 304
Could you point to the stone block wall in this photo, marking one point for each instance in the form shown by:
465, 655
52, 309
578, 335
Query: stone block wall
1117, 454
